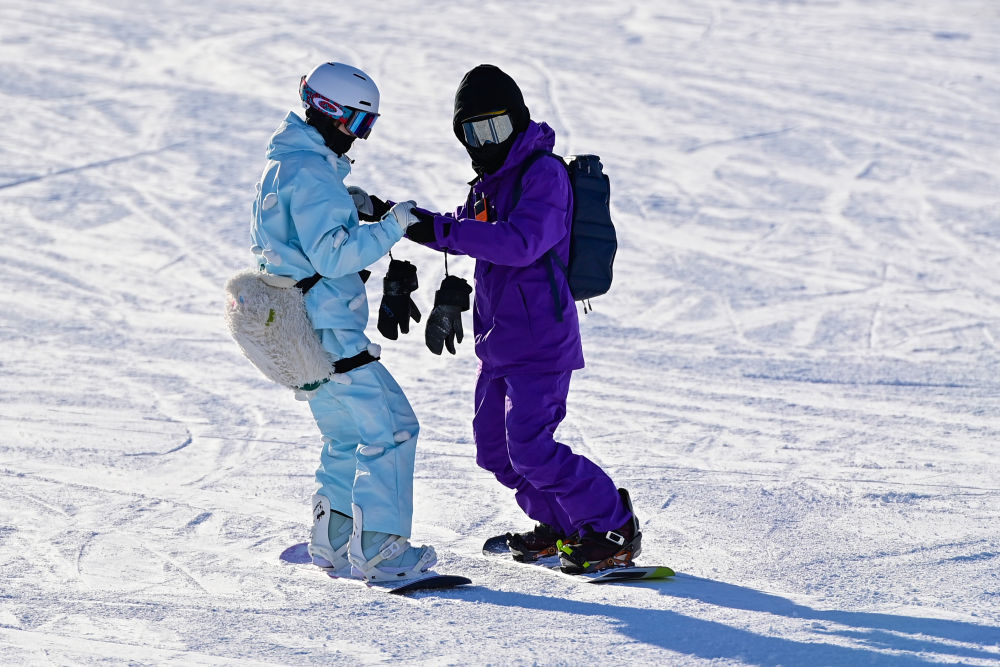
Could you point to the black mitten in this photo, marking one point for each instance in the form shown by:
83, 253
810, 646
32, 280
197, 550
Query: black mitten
397, 307
444, 326
422, 231
380, 208
370, 209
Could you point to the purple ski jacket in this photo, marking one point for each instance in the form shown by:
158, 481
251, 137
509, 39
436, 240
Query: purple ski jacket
515, 318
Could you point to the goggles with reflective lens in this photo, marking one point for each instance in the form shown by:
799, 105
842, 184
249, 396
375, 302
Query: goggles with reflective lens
357, 121
494, 128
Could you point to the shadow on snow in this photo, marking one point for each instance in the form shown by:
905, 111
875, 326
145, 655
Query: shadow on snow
713, 640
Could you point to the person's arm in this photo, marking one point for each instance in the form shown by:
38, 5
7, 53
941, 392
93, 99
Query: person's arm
423, 231
537, 223
322, 216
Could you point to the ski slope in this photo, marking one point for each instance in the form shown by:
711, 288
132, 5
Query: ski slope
796, 374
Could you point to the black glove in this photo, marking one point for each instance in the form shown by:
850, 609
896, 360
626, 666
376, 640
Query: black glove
380, 208
423, 231
397, 307
444, 326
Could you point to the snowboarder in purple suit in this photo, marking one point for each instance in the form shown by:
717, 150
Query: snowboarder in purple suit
527, 340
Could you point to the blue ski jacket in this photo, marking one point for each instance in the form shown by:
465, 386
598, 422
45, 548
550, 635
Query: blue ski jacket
304, 222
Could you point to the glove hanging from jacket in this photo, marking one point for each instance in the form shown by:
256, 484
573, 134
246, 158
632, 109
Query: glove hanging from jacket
397, 307
444, 325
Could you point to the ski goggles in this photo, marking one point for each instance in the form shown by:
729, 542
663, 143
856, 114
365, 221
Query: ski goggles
494, 128
357, 121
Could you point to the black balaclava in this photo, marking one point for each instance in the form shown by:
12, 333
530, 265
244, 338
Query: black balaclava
484, 89
335, 140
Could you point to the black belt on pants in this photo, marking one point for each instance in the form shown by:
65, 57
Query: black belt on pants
357, 361
307, 284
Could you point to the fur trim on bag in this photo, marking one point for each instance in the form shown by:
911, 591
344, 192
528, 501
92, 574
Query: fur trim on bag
267, 318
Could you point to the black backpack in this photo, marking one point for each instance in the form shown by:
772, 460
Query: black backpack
593, 242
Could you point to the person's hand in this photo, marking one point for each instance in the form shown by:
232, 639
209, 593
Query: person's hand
403, 213
380, 208
397, 307
444, 325
421, 231
370, 208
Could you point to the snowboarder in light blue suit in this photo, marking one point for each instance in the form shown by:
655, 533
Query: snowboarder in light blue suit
305, 221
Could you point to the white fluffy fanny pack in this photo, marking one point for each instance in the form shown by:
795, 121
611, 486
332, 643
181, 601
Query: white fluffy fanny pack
266, 315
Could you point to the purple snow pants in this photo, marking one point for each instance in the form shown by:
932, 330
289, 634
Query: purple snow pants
515, 422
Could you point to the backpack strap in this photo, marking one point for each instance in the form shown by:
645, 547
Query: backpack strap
525, 166
550, 253
553, 286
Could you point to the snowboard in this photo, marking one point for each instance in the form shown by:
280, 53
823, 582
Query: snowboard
298, 554
497, 546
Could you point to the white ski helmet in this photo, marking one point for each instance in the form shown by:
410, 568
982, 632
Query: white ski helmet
343, 93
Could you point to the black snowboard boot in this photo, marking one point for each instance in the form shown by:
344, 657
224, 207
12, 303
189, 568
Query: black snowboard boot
539, 542
593, 552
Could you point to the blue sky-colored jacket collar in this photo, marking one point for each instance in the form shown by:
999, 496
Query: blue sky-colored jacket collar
294, 134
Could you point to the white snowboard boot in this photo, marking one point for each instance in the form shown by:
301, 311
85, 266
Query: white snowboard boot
379, 556
330, 539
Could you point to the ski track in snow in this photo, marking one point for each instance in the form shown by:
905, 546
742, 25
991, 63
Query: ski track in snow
795, 374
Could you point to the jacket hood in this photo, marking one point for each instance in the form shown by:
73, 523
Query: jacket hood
484, 89
295, 135
487, 89
537, 137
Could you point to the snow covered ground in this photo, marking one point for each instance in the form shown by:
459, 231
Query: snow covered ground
797, 373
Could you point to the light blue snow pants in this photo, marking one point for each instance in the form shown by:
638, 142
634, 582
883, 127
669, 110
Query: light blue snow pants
362, 462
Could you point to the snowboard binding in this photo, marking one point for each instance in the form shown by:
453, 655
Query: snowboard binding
393, 558
593, 552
